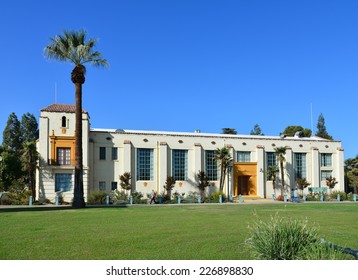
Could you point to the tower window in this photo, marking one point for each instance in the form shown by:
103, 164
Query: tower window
64, 122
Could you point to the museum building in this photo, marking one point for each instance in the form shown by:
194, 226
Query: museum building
152, 156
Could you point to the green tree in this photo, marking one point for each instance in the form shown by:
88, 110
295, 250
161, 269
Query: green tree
227, 130
293, 129
321, 128
223, 158
351, 173
12, 139
256, 130
11, 171
280, 153
203, 183
29, 160
71, 46
29, 128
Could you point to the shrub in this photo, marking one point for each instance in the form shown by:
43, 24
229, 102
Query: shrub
280, 197
119, 197
18, 194
97, 197
342, 195
350, 196
215, 196
137, 198
280, 238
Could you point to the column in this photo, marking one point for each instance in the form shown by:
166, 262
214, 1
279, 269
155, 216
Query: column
290, 176
315, 169
338, 167
163, 165
261, 182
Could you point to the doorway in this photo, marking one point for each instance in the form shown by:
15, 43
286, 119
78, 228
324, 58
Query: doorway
243, 185
245, 179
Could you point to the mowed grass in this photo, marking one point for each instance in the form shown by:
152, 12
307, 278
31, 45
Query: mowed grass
198, 232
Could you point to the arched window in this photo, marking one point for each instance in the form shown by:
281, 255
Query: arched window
64, 123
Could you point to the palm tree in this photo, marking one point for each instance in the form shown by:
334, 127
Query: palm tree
71, 46
271, 176
203, 183
223, 157
280, 153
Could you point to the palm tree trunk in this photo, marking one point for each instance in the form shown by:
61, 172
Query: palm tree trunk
282, 178
78, 200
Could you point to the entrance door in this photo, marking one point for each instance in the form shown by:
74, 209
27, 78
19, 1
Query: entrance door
244, 185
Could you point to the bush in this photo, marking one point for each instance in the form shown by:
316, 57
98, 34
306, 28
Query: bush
280, 238
119, 197
97, 197
137, 198
342, 195
287, 239
215, 196
18, 194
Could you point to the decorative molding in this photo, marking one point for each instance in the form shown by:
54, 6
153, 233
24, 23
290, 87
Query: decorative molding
127, 142
260, 147
163, 143
340, 149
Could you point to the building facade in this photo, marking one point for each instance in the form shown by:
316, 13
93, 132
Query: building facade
152, 156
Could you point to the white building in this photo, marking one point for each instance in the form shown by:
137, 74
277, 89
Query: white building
151, 156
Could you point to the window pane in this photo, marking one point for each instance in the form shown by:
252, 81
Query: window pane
180, 165
102, 186
243, 156
114, 186
63, 182
114, 153
326, 174
326, 159
102, 153
211, 166
63, 156
145, 164
300, 165
270, 159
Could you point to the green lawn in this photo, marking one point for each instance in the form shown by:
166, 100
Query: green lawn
148, 232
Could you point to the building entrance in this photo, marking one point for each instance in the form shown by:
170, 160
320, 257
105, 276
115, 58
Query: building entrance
245, 179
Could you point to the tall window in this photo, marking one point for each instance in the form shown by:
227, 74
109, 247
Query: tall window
63, 182
211, 166
145, 164
63, 156
114, 153
270, 159
180, 164
63, 121
300, 165
102, 153
326, 159
243, 156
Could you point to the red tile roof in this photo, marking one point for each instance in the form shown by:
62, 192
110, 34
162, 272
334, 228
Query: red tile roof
61, 108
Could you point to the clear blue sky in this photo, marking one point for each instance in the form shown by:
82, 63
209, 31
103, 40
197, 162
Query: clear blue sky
181, 65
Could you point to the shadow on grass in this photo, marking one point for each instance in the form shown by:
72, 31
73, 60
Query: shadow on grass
36, 208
